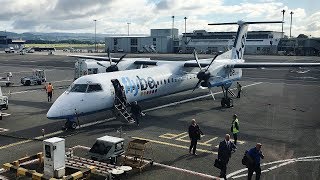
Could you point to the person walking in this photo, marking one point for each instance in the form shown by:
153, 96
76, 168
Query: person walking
194, 135
49, 89
239, 88
235, 128
255, 155
226, 148
136, 112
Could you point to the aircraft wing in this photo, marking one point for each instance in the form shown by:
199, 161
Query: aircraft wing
255, 65
98, 58
270, 65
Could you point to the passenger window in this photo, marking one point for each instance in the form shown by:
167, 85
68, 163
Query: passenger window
94, 88
165, 82
161, 82
157, 82
168, 80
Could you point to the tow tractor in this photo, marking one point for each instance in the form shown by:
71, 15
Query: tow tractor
5, 81
3, 101
37, 78
107, 148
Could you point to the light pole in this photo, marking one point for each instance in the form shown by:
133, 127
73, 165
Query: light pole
291, 23
128, 28
172, 33
95, 35
283, 11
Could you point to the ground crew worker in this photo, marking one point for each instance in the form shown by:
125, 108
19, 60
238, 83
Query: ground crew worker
239, 88
235, 128
136, 112
49, 89
254, 156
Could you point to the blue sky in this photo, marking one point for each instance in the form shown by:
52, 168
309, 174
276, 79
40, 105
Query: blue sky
113, 15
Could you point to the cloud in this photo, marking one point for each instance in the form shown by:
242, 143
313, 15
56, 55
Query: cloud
113, 15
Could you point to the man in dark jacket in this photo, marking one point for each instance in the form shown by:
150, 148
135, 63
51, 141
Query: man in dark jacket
194, 135
254, 156
136, 111
226, 147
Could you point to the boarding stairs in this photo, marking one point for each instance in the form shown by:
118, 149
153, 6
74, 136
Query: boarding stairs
231, 93
121, 111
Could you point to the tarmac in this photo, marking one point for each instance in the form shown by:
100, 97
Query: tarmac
278, 108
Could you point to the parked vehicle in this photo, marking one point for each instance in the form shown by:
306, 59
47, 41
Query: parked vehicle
9, 50
37, 78
4, 101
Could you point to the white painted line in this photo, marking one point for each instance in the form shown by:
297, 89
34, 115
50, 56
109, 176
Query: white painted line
5, 114
283, 163
3, 130
195, 98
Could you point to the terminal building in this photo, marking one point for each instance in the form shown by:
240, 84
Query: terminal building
7, 42
300, 46
159, 41
258, 42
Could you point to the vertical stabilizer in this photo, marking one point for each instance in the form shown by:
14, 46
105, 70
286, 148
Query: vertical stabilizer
237, 51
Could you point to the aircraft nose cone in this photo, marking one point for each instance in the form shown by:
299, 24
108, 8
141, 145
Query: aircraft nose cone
53, 112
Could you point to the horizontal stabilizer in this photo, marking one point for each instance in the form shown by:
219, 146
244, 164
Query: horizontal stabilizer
243, 22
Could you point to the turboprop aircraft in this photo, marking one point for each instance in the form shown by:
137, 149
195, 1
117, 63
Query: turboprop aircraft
92, 93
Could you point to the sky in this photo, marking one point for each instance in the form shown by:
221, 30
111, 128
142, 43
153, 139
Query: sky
76, 16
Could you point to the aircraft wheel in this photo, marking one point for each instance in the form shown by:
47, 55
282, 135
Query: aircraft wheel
73, 125
223, 102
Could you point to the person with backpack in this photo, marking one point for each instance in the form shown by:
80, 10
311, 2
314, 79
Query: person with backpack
254, 156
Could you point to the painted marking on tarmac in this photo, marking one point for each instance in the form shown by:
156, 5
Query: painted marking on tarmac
3, 130
5, 114
284, 162
106, 120
196, 98
174, 145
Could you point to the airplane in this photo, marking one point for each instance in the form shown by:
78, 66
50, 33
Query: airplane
93, 93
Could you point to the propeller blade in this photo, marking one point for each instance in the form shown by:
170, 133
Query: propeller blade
101, 65
196, 85
121, 59
211, 94
196, 57
109, 57
211, 62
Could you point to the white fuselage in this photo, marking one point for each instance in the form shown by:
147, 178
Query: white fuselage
139, 84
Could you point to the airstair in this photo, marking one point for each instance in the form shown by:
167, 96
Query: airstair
121, 111
231, 93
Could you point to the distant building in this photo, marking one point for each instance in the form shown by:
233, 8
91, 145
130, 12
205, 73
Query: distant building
160, 41
300, 46
7, 42
258, 42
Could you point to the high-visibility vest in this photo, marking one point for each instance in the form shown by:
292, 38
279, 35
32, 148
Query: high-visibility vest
234, 129
49, 88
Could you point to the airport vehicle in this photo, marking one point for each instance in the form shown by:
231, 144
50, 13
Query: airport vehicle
4, 101
93, 93
9, 50
37, 78
107, 148
5, 81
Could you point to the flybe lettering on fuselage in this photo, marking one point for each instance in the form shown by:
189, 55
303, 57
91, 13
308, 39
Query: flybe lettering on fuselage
133, 85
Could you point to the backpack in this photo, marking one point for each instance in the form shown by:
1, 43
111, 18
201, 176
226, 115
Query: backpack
245, 160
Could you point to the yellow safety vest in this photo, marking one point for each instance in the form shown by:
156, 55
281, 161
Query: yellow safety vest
234, 129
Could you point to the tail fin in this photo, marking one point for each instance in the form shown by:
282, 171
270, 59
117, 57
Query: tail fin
240, 40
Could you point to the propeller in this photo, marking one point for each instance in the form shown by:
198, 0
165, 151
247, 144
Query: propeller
112, 67
203, 74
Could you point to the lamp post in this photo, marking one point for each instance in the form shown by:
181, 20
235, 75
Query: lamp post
283, 11
128, 28
291, 23
95, 35
185, 30
172, 33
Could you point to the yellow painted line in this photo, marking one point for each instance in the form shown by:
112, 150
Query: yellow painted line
183, 140
206, 143
175, 145
14, 144
171, 135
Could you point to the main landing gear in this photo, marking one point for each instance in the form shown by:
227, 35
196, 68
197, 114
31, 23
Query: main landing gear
226, 101
70, 125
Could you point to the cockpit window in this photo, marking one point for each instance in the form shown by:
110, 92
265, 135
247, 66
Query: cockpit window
79, 88
94, 88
